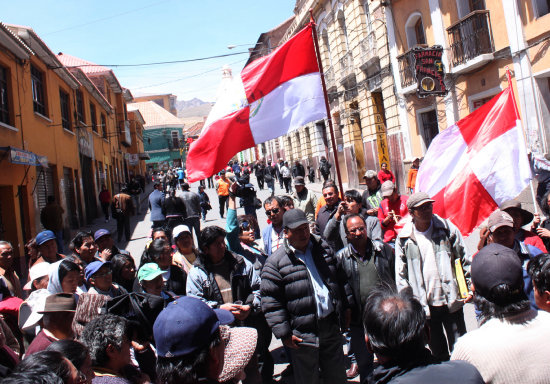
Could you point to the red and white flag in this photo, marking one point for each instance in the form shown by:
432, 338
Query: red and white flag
478, 163
274, 95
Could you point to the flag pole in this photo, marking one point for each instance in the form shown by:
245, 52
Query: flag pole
329, 118
509, 76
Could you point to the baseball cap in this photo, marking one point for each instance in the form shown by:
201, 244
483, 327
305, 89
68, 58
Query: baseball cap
299, 180
240, 343
31, 310
44, 236
187, 325
178, 230
387, 188
149, 272
499, 219
494, 265
369, 174
59, 302
417, 199
36, 272
293, 218
93, 267
100, 233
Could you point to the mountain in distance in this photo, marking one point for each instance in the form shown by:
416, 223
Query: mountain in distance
193, 108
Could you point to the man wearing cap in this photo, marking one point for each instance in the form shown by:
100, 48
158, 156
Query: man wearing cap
429, 254
304, 199
511, 344
106, 247
372, 196
222, 187
302, 299
150, 279
47, 247
501, 227
7, 270
193, 348
192, 203
57, 318
521, 218
392, 208
332, 200
99, 277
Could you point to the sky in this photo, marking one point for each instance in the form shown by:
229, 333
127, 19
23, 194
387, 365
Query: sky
125, 32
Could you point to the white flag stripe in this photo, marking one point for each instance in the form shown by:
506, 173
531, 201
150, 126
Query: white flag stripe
444, 160
287, 108
502, 165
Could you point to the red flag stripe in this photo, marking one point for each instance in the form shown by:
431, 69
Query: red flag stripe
294, 58
464, 201
218, 144
489, 121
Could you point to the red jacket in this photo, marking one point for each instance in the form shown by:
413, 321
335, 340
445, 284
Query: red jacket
400, 209
385, 176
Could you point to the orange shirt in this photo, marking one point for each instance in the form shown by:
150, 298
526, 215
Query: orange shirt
223, 187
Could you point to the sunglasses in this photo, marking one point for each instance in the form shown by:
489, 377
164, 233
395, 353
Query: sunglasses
273, 211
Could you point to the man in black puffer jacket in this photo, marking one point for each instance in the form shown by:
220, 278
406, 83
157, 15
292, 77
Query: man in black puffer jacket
302, 299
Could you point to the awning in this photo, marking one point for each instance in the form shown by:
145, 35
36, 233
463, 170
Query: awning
144, 156
20, 156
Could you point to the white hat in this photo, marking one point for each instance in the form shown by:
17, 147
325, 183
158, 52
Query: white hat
36, 272
179, 230
28, 312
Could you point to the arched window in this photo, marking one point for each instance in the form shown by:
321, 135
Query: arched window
414, 28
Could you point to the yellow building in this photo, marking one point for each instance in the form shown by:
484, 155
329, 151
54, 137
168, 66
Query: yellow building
166, 101
480, 40
64, 131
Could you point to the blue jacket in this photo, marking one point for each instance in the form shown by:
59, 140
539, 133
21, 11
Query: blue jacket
266, 236
156, 201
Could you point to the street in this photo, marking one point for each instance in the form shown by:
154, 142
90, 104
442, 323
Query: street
141, 232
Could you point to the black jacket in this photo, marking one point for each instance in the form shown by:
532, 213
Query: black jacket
422, 368
323, 216
347, 265
174, 206
298, 170
287, 294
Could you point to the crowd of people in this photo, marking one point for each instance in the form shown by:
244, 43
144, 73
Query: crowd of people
375, 271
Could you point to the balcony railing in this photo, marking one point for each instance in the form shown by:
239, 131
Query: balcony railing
406, 68
368, 48
346, 65
470, 37
329, 77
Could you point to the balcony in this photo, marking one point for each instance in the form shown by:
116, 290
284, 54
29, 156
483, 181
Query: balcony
346, 67
471, 42
329, 78
369, 53
406, 69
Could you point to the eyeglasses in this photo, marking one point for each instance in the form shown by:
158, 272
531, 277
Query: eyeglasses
273, 211
245, 226
356, 230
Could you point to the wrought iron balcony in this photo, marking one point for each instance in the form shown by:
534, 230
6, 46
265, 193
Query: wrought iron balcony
368, 49
406, 68
470, 37
346, 66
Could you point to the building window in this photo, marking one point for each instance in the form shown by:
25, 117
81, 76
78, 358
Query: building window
4, 97
80, 107
65, 111
479, 102
38, 94
542, 7
414, 28
93, 117
103, 126
175, 140
430, 128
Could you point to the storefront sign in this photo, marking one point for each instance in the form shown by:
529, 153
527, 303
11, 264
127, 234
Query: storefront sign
430, 73
381, 131
20, 156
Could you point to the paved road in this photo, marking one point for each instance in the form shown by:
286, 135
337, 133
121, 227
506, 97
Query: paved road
141, 225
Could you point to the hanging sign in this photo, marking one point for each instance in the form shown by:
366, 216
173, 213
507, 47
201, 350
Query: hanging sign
429, 70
